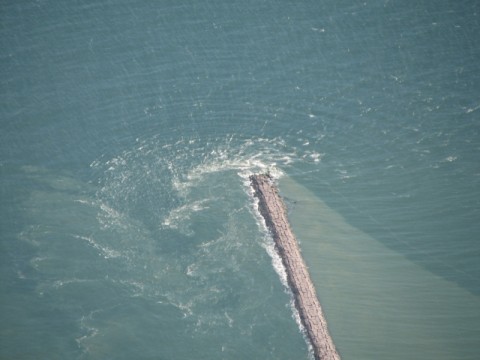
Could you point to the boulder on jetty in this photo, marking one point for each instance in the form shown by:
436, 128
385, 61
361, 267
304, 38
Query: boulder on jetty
274, 212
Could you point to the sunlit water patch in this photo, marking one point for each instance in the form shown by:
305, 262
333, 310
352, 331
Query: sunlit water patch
378, 303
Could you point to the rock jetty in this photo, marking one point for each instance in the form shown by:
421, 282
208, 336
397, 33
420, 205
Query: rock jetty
274, 212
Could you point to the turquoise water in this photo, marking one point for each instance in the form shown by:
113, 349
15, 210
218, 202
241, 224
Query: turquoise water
129, 129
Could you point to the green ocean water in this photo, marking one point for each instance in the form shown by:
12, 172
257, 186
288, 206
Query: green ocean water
128, 131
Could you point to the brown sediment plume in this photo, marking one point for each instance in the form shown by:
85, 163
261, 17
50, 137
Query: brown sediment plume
274, 212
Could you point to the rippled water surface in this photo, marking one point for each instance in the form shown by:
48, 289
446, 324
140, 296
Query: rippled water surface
128, 132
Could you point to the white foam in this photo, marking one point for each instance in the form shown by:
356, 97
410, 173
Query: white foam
191, 270
316, 156
277, 262
28, 235
137, 287
186, 308
60, 283
84, 202
110, 217
105, 251
181, 214
229, 319
472, 109
303, 331
269, 245
251, 156
187, 162
35, 262
90, 331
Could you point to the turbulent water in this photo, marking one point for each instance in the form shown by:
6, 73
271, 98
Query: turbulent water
128, 229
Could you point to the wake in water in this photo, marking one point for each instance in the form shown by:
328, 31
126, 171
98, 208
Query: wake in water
162, 241
166, 175
191, 203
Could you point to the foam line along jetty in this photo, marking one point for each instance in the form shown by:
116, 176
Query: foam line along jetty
274, 212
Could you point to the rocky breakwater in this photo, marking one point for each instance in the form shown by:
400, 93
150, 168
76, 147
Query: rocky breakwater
274, 212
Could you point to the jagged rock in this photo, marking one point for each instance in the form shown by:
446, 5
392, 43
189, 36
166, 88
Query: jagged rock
274, 212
